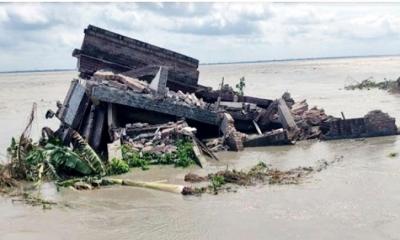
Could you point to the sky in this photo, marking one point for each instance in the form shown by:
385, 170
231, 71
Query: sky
43, 35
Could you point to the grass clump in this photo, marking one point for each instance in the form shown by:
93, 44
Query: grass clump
117, 166
135, 160
393, 154
216, 182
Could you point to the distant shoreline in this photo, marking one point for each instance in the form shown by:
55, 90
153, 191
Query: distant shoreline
38, 71
301, 59
227, 63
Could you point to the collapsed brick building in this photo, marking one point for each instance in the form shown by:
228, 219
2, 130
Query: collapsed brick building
125, 82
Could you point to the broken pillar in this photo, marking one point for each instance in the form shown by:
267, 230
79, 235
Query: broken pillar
114, 150
286, 118
159, 83
233, 138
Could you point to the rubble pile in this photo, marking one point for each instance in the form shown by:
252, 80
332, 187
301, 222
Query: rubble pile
121, 81
145, 97
308, 120
392, 86
158, 139
187, 98
380, 122
216, 144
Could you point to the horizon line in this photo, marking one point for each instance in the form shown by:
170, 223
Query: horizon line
225, 63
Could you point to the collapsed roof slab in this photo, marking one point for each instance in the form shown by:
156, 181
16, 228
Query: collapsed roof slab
103, 49
150, 103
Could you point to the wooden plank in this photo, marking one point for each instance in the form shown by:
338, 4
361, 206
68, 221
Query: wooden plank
200, 159
257, 127
147, 102
205, 149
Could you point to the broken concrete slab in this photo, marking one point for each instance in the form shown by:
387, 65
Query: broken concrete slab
147, 102
274, 137
103, 49
114, 150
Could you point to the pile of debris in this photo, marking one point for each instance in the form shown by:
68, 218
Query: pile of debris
370, 83
133, 93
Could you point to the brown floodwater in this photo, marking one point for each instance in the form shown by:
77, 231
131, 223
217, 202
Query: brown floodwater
356, 198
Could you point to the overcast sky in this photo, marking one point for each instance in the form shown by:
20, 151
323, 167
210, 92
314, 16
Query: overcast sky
42, 36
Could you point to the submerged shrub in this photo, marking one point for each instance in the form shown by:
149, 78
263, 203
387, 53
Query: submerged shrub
117, 166
393, 154
241, 85
135, 160
183, 157
216, 182
185, 154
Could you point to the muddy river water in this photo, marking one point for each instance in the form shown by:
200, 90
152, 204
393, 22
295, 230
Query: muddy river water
356, 198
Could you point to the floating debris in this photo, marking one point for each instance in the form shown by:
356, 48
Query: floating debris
225, 180
370, 83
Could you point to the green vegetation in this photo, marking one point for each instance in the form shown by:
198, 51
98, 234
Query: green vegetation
229, 180
185, 154
241, 85
117, 166
48, 159
393, 154
183, 157
135, 160
369, 83
216, 182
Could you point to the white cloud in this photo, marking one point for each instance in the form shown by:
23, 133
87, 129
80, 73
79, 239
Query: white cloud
3, 15
208, 31
29, 14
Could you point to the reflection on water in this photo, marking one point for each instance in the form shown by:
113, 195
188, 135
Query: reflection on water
357, 198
